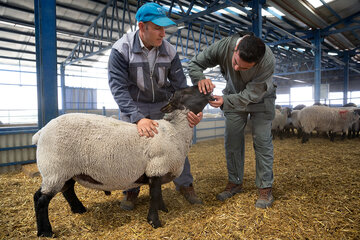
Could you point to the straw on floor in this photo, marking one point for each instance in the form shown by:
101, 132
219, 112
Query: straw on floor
317, 190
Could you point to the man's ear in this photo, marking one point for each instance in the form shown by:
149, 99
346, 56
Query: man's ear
141, 26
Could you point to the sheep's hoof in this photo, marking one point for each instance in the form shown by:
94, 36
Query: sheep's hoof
155, 223
46, 234
163, 208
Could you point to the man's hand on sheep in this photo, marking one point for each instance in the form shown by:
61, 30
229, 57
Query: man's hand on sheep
147, 127
194, 119
206, 86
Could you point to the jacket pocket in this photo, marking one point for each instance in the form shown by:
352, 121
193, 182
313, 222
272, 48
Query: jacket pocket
162, 71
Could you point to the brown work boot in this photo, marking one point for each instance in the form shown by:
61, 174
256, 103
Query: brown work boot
265, 199
129, 200
190, 195
230, 190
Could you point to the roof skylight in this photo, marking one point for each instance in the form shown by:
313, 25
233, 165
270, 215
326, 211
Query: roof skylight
318, 3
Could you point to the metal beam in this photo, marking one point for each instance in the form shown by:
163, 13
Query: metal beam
344, 20
346, 77
257, 17
296, 38
317, 83
46, 68
102, 34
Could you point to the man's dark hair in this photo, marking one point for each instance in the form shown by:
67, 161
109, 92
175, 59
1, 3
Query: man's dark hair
252, 49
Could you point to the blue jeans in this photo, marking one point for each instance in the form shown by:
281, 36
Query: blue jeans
152, 111
235, 123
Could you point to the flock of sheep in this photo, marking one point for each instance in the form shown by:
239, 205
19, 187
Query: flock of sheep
320, 118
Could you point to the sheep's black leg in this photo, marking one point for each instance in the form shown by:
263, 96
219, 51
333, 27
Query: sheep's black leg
70, 196
299, 132
305, 137
41, 204
332, 136
281, 132
156, 202
350, 135
343, 136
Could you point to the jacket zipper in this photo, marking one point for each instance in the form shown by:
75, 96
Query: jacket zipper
138, 96
151, 77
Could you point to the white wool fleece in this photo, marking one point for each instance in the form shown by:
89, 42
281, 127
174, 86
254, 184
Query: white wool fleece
324, 119
109, 150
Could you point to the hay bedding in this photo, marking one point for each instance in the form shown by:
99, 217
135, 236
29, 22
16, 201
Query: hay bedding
316, 189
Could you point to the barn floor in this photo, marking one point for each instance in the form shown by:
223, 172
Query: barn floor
317, 191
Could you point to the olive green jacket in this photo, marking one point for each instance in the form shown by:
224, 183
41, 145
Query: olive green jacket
252, 90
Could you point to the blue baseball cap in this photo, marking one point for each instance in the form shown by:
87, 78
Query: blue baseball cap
155, 13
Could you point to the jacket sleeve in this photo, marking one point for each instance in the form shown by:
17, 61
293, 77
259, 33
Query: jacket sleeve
118, 74
206, 59
254, 91
176, 75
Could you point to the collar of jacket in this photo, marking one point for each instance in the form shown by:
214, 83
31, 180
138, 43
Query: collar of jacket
137, 46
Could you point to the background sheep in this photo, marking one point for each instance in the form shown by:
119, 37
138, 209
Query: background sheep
326, 119
280, 120
107, 154
299, 107
295, 122
355, 127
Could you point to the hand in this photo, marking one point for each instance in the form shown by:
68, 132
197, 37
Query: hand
218, 101
206, 86
147, 127
194, 119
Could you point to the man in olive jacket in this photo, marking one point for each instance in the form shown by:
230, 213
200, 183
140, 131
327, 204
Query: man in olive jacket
247, 65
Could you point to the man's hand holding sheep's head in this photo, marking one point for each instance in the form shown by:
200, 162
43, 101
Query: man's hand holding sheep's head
206, 86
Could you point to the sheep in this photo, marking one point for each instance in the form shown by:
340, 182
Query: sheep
350, 105
295, 121
280, 121
326, 119
299, 107
355, 127
107, 154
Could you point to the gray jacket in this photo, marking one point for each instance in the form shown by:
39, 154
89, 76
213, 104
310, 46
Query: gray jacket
246, 91
130, 77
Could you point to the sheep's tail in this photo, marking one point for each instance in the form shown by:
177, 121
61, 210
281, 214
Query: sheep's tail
36, 137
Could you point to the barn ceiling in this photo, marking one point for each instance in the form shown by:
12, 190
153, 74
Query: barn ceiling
86, 29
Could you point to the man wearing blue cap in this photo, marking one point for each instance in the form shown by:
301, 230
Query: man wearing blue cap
144, 71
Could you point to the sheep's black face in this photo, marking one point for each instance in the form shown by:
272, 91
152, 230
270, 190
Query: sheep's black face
189, 98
